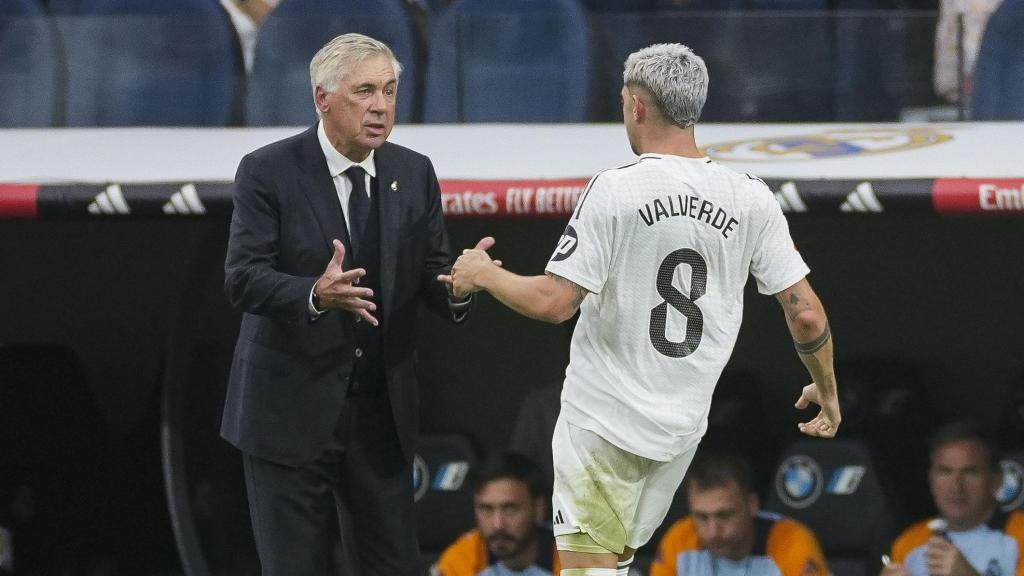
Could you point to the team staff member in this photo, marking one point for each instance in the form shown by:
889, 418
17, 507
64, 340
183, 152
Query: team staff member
336, 236
726, 532
511, 536
971, 536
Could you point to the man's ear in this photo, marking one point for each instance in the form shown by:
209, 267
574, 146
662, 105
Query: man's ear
639, 108
320, 98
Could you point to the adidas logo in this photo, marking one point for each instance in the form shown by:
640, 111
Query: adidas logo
789, 198
110, 201
185, 201
862, 199
558, 519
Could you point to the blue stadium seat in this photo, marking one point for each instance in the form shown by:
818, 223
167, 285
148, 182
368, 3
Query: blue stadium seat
151, 62
444, 497
833, 487
762, 66
999, 73
29, 87
509, 61
279, 90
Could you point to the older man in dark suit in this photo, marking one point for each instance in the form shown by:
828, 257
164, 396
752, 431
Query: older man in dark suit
336, 236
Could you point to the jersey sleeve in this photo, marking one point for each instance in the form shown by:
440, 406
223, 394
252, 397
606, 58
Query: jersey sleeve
584, 252
795, 550
776, 264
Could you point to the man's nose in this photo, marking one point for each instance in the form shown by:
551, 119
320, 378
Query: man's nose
378, 103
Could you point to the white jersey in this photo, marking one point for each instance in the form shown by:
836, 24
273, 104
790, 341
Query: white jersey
665, 247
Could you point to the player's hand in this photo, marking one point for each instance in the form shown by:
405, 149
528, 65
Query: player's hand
943, 558
463, 285
338, 288
826, 423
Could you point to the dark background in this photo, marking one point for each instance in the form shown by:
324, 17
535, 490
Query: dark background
134, 313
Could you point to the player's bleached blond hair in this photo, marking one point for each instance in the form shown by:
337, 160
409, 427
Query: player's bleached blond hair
331, 63
675, 77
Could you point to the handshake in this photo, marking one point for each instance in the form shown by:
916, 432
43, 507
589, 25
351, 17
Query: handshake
469, 274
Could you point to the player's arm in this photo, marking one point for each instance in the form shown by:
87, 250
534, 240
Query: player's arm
808, 325
549, 298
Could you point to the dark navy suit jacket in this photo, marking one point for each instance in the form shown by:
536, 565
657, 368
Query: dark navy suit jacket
290, 373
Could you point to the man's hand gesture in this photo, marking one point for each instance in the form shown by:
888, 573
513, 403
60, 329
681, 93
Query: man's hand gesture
826, 423
338, 290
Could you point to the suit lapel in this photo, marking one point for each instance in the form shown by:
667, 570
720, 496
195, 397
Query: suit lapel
389, 202
318, 186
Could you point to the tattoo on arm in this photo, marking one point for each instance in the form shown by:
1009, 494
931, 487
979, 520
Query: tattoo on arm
813, 346
793, 304
579, 292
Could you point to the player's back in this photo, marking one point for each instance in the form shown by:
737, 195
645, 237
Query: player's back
665, 246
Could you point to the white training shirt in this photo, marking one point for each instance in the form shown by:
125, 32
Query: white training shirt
665, 247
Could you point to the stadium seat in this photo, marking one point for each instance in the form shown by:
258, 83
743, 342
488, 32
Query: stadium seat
886, 405
55, 462
1011, 493
279, 89
832, 486
999, 73
509, 61
444, 499
151, 63
762, 66
29, 87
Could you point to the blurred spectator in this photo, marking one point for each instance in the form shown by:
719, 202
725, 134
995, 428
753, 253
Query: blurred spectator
247, 16
726, 533
999, 75
510, 502
974, 14
971, 535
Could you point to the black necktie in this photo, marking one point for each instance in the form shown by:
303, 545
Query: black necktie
358, 205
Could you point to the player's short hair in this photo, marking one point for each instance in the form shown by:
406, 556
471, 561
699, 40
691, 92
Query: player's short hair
717, 468
675, 77
510, 465
965, 430
330, 64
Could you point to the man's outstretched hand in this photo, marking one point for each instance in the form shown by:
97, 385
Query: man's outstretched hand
338, 290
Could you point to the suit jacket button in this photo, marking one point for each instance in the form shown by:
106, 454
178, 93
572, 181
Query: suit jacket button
359, 352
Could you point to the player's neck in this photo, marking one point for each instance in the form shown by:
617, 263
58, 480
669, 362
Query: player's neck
671, 141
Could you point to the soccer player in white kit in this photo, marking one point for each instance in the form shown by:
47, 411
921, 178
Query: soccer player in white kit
655, 257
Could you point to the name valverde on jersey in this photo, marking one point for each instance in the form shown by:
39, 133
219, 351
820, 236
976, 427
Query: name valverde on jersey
665, 247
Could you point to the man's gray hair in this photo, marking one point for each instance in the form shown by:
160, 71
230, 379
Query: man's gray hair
676, 78
330, 64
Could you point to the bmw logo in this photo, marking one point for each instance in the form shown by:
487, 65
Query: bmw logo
1011, 493
420, 478
798, 481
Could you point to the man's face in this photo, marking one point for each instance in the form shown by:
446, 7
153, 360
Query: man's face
963, 484
628, 120
359, 115
724, 517
506, 516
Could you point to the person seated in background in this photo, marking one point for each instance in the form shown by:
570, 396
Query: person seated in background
971, 535
727, 534
510, 502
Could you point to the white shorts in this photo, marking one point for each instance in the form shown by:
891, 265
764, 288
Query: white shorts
616, 497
